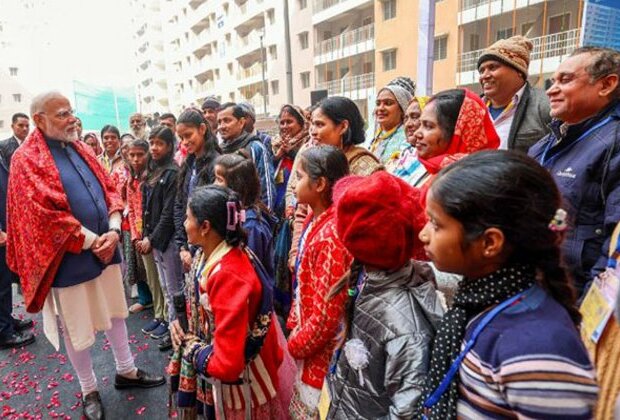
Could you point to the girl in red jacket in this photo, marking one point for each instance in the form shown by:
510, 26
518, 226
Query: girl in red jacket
225, 365
321, 262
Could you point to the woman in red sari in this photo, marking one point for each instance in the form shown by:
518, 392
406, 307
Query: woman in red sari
454, 124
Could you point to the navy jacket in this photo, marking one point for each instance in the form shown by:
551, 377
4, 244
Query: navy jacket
259, 227
586, 167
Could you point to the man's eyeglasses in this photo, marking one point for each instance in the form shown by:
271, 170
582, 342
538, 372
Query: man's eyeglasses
62, 115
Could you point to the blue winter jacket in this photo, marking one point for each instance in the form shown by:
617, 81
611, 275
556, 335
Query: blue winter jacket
585, 164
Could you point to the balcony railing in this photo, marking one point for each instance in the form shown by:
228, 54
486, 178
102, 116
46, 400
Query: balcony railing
558, 44
470, 4
345, 39
252, 71
348, 84
319, 5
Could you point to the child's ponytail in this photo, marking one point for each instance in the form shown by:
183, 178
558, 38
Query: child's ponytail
349, 280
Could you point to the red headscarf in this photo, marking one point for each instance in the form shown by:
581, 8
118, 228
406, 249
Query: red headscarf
41, 226
474, 131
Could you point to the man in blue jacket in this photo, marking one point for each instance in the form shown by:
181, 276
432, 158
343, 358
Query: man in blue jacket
583, 155
231, 122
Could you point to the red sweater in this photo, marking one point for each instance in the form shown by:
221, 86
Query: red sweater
324, 261
234, 292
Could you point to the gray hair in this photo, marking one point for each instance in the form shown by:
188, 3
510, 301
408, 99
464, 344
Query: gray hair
605, 61
39, 101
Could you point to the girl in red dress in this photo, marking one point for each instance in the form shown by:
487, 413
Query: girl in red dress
322, 261
226, 364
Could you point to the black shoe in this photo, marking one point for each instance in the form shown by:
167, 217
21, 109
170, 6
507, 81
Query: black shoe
92, 408
166, 343
17, 339
22, 324
144, 380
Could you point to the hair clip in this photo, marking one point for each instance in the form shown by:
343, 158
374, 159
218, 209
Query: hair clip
235, 217
231, 223
558, 223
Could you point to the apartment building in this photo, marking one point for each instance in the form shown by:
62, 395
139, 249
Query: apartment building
344, 49
151, 75
18, 70
553, 26
397, 41
234, 50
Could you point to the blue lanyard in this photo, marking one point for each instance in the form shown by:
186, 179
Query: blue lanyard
612, 262
543, 159
449, 376
300, 252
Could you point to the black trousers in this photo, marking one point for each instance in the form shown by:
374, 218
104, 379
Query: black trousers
6, 296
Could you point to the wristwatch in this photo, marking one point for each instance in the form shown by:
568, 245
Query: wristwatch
118, 231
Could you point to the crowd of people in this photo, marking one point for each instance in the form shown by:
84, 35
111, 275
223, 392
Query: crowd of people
431, 270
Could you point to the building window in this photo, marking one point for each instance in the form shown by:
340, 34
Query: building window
303, 40
13, 71
271, 16
504, 33
230, 68
305, 79
1, 123
559, 23
17, 97
302, 4
273, 52
275, 87
441, 48
389, 9
231, 95
474, 42
389, 60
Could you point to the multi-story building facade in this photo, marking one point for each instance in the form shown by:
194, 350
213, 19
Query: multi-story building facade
151, 76
237, 49
18, 72
234, 50
344, 50
397, 41
553, 26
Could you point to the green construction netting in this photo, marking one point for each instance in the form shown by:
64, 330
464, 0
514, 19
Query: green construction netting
97, 106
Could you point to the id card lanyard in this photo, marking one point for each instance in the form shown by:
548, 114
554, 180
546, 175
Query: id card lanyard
454, 368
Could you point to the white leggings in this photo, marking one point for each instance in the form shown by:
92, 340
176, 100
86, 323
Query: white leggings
83, 363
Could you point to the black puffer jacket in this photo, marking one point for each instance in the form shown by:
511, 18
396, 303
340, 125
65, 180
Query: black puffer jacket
395, 318
158, 208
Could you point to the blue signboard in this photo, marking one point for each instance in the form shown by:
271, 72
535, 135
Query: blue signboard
601, 24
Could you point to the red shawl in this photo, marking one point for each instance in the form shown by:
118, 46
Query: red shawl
41, 226
474, 131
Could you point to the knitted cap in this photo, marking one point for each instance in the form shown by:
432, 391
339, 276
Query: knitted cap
211, 102
514, 52
403, 88
378, 218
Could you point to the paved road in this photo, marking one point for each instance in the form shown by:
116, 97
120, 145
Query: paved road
36, 382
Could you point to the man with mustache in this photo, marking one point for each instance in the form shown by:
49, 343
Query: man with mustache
64, 227
582, 152
520, 112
